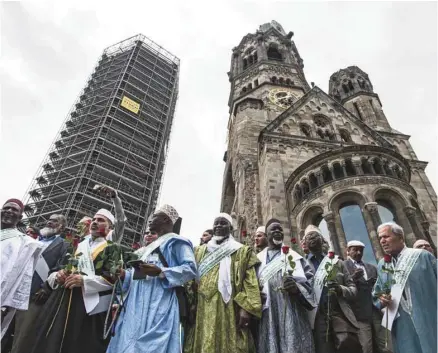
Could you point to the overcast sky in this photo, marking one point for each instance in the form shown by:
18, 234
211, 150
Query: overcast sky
49, 49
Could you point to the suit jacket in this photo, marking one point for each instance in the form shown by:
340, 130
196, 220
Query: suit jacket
363, 306
349, 292
52, 255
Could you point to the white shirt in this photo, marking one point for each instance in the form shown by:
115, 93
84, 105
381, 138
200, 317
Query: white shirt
361, 266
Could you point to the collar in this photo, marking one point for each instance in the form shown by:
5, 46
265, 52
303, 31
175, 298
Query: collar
357, 262
401, 252
310, 256
46, 239
97, 240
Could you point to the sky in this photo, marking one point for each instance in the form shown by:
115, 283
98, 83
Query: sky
48, 50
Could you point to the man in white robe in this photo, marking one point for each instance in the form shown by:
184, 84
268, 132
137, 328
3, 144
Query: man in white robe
19, 256
412, 304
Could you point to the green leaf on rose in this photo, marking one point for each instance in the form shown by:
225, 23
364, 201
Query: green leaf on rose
99, 265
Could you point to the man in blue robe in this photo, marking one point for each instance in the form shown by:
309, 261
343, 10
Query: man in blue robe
150, 319
413, 295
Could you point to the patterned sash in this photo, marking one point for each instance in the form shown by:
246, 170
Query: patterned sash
278, 264
405, 265
144, 252
216, 256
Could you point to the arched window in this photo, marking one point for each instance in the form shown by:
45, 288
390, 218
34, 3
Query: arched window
313, 182
281, 80
345, 88
288, 82
321, 121
245, 64
350, 86
326, 174
377, 165
305, 130
305, 187
250, 86
354, 228
255, 57
250, 60
366, 166
297, 194
243, 90
386, 211
274, 53
387, 168
345, 136
349, 167
337, 170
320, 133
274, 79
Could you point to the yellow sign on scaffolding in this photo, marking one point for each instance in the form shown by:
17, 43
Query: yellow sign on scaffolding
131, 105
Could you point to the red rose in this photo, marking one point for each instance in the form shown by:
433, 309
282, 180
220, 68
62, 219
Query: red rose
387, 258
75, 242
69, 237
135, 246
102, 229
293, 240
331, 254
244, 233
285, 249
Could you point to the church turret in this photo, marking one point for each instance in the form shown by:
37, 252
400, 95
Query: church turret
353, 89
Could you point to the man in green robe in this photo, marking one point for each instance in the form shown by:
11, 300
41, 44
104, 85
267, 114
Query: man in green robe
227, 295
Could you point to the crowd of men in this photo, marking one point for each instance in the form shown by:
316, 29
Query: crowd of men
59, 295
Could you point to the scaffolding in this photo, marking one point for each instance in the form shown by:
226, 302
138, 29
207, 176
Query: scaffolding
116, 133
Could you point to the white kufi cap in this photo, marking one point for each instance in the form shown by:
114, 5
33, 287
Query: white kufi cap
261, 230
169, 211
311, 229
105, 213
226, 216
355, 243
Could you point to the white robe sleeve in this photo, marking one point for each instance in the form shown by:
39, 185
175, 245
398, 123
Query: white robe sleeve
95, 284
51, 280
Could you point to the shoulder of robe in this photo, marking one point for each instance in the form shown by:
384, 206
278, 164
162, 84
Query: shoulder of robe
246, 255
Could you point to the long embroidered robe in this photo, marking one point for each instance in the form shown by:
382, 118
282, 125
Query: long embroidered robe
293, 333
215, 329
415, 329
150, 321
66, 325
19, 256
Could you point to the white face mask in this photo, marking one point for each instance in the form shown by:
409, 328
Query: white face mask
277, 242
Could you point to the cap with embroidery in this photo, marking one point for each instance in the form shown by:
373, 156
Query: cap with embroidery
261, 230
355, 243
311, 229
169, 211
226, 216
105, 213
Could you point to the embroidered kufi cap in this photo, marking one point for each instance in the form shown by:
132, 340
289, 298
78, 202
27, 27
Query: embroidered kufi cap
312, 229
355, 243
169, 211
226, 216
261, 230
105, 213
17, 202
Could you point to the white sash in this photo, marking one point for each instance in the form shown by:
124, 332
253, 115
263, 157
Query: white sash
42, 269
216, 256
85, 261
405, 264
318, 285
267, 271
144, 252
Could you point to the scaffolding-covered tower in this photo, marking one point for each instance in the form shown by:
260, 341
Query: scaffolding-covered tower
116, 134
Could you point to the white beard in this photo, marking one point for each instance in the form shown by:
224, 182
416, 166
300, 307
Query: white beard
47, 232
277, 242
219, 238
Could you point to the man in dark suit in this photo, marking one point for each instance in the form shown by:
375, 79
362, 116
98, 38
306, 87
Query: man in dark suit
343, 329
364, 276
55, 248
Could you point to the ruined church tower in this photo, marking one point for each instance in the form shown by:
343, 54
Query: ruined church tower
306, 157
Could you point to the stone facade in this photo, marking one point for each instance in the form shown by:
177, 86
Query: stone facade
300, 155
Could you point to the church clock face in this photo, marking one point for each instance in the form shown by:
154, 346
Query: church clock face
282, 97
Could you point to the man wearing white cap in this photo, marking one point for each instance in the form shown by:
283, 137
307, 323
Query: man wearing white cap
80, 299
261, 240
154, 306
227, 295
343, 327
364, 276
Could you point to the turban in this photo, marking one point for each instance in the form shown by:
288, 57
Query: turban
169, 211
355, 243
105, 213
226, 216
17, 202
261, 230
